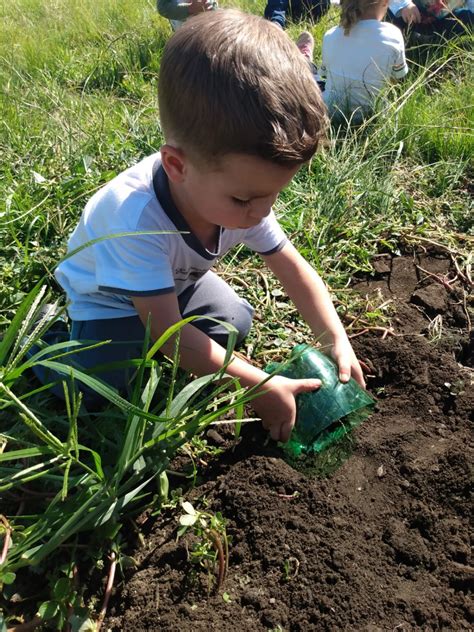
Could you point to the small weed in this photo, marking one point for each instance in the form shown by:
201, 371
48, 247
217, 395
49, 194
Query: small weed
291, 567
199, 450
435, 329
211, 547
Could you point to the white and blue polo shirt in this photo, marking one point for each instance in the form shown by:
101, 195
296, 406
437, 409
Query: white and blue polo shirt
100, 280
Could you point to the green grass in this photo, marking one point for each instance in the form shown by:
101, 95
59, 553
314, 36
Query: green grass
78, 81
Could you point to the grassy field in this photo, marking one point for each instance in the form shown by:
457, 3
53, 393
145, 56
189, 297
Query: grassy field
77, 105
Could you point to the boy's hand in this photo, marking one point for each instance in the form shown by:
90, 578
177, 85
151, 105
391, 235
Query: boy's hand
277, 405
348, 364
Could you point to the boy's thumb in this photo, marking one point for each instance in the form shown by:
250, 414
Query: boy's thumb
306, 386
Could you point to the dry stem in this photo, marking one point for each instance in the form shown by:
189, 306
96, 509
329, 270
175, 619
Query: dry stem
108, 590
6, 541
221, 556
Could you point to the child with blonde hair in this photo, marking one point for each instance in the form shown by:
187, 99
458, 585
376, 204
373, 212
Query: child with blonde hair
360, 56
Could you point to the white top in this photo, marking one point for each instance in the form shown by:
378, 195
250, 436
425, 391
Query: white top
356, 66
100, 279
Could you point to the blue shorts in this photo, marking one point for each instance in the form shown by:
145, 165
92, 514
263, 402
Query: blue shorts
210, 296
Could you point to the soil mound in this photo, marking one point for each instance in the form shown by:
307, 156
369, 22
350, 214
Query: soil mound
383, 543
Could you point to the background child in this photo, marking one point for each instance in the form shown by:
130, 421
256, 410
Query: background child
433, 17
278, 11
256, 117
177, 11
360, 55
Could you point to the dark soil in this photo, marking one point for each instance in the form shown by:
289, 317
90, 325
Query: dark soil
383, 543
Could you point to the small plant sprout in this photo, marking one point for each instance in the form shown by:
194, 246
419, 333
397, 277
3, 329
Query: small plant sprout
291, 566
435, 329
212, 543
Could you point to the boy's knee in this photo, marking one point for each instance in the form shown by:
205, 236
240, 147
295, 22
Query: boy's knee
239, 314
242, 320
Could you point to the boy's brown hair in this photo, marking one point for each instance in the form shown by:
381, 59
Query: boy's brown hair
235, 83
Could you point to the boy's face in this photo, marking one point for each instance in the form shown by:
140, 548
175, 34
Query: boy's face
238, 193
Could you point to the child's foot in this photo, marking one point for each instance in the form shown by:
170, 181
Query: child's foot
305, 43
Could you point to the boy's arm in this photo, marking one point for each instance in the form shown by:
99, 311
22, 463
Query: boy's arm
308, 292
406, 9
201, 355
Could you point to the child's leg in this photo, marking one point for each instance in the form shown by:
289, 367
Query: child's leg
275, 11
127, 335
310, 10
459, 24
211, 296
317, 8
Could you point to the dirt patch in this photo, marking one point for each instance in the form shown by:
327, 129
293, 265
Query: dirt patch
383, 543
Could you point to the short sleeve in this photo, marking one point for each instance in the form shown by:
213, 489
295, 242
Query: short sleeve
267, 237
133, 265
399, 66
396, 6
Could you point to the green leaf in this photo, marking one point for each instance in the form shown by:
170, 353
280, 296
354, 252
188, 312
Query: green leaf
187, 393
62, 588
82, 624
7, 578
17, 323
48, 609
33, 422
101, 388
26, 453
164, 485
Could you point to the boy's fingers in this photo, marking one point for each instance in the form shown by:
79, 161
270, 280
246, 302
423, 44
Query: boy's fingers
285, 432
306, 386
275, 433
358, 376
344, 372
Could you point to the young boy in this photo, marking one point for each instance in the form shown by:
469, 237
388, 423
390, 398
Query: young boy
240, 114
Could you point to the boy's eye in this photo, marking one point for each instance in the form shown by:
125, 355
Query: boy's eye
241, 202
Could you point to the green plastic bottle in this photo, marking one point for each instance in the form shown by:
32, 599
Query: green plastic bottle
320, 409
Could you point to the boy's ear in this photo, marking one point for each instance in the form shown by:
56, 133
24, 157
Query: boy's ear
174, 163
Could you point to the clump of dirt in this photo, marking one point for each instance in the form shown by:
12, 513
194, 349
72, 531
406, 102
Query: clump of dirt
381, 544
